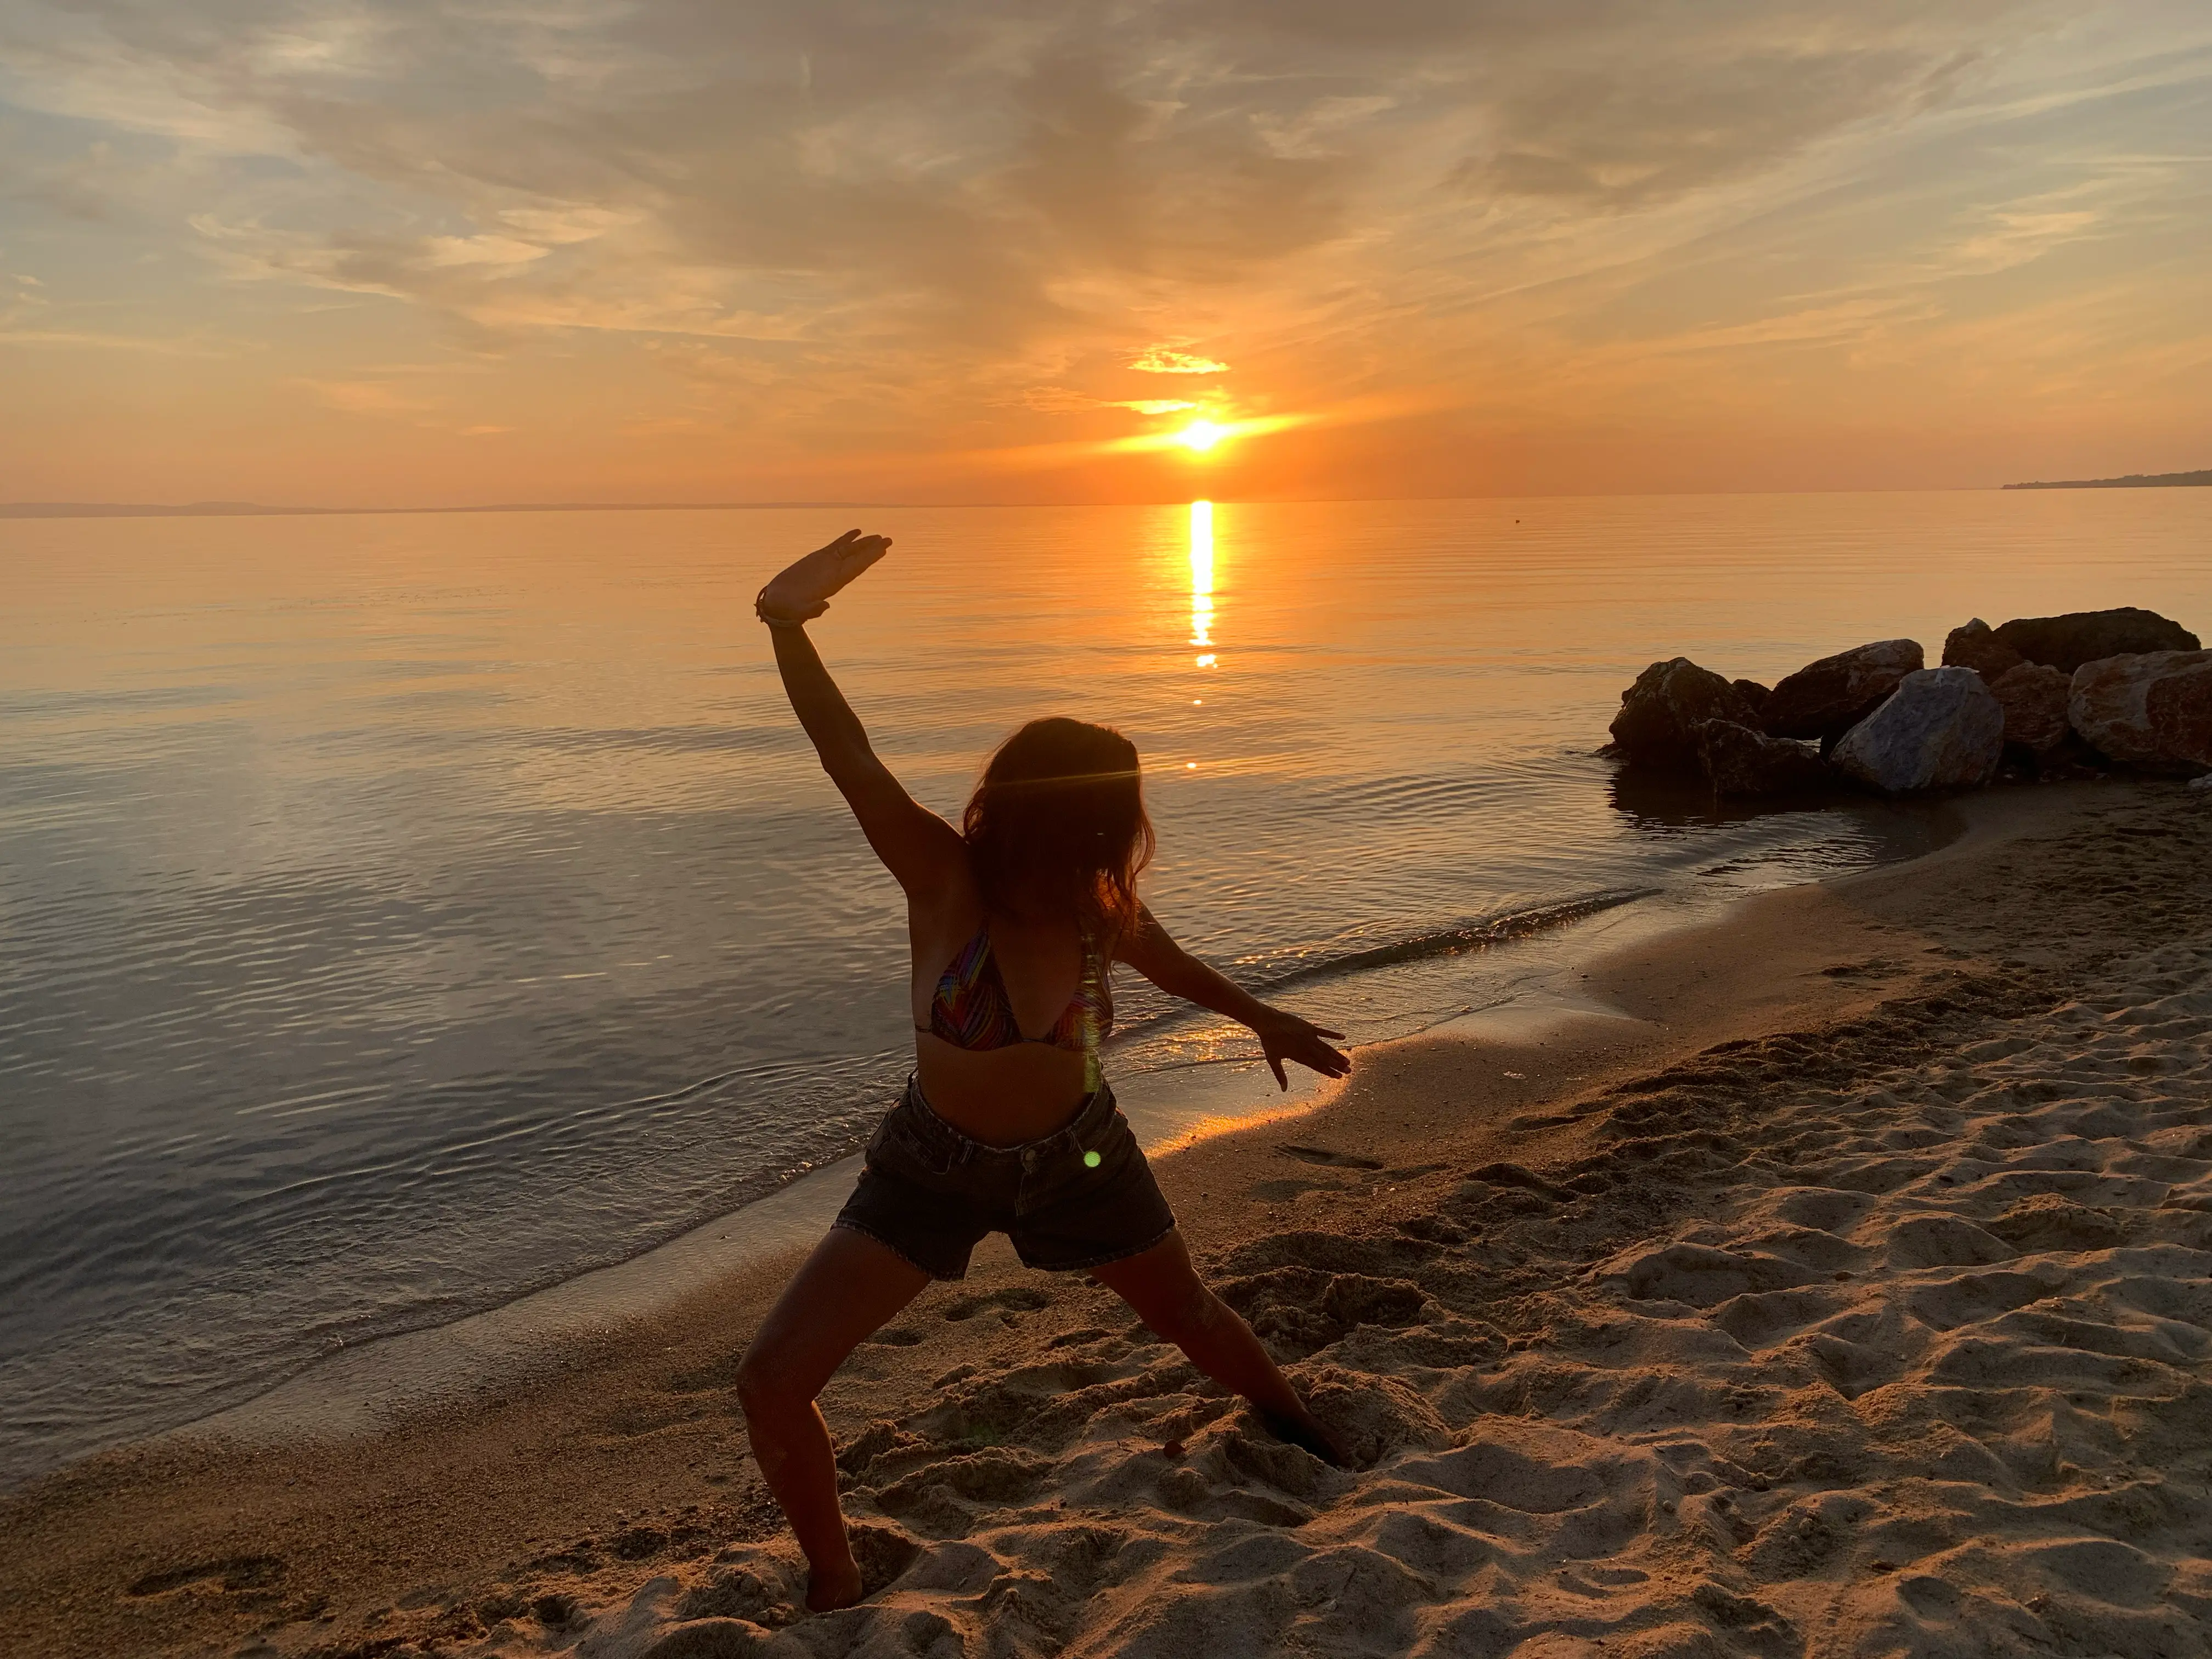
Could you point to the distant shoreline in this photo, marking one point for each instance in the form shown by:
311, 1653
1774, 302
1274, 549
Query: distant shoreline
2133, 481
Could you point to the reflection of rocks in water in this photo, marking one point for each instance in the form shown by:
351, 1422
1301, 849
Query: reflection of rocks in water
1841, 826
1659, 804
1748, 765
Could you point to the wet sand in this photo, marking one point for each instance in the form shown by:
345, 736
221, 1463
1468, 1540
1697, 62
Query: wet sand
1844, 1290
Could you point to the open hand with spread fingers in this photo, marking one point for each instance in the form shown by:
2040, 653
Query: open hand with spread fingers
1284, 1036
802, 590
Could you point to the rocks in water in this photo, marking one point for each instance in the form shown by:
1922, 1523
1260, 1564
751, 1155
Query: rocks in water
2063, 696
1660, 714
2083, 636
2151, 710
1943, 728
1977, 647
1742, 763
2034, 697
1827, 698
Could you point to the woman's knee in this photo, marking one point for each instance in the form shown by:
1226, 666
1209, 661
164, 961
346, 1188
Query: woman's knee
768, 1380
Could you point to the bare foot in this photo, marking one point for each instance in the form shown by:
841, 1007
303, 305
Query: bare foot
829, 1589
1306, 1431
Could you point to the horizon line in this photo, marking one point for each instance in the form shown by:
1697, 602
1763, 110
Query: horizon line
256, 509
216, 509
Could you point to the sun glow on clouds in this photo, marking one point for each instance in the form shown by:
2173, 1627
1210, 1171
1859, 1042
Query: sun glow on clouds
1167, 360
719, 252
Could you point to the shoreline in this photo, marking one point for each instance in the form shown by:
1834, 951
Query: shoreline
381, 1383
622, 1467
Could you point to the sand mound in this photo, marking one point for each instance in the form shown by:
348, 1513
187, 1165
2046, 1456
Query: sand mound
1894, 1337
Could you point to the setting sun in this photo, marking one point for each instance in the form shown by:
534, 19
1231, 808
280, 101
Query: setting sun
1201, 435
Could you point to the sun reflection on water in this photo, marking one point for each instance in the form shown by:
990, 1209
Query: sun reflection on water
1201, 579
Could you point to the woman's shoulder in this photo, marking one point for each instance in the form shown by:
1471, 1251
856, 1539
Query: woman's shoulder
947, 908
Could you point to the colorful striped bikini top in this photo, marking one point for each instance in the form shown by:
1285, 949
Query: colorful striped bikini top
970, 1008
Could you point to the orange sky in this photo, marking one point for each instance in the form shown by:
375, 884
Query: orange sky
309, 251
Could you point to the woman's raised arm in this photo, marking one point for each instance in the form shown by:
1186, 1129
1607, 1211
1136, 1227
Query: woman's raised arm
916, 846
1283, 1035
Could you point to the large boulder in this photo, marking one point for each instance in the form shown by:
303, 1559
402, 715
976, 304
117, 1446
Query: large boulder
2034, 697
1742, 763
1826, 698
1943, 728
1977, 647
1660, 714
2079, 636
2152, 710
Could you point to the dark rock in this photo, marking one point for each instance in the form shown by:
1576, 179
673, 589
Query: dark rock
2151, 711
2034, 695
1826, 698
1754, 697
1742, 763
2079, 636
1943, 729
1977, 647
1660, 714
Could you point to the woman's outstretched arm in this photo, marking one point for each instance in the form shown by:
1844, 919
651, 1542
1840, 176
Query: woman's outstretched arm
916, 846
1282, 1034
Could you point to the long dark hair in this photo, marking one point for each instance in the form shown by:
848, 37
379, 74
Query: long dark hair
1059, 819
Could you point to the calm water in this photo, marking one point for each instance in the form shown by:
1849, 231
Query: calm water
397, 914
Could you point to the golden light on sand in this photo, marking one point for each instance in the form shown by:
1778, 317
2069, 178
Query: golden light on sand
1201, 435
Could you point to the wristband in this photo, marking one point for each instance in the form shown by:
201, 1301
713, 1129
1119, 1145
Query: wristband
775, 622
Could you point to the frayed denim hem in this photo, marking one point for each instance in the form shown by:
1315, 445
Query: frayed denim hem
1106, 1260
920, 1266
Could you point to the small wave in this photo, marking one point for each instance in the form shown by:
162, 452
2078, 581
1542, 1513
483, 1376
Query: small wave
1480, 935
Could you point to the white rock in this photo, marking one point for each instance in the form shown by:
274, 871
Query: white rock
1941, 728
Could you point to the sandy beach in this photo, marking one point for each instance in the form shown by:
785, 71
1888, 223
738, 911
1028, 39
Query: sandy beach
1844, 1290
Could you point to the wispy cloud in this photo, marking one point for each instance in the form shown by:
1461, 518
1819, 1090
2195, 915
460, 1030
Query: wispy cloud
846, 230
1166, 359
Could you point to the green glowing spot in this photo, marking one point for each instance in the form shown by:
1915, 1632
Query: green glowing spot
1091, 1160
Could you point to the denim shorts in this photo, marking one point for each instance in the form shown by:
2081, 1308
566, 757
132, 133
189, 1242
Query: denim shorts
1076, 1199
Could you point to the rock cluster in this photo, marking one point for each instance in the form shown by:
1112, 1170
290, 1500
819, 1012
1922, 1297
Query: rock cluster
2047, 694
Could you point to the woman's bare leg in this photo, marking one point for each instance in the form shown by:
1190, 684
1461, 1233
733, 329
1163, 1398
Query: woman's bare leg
843, 1293
1165, 1292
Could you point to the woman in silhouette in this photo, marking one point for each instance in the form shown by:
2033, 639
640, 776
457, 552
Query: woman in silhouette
1015, 919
